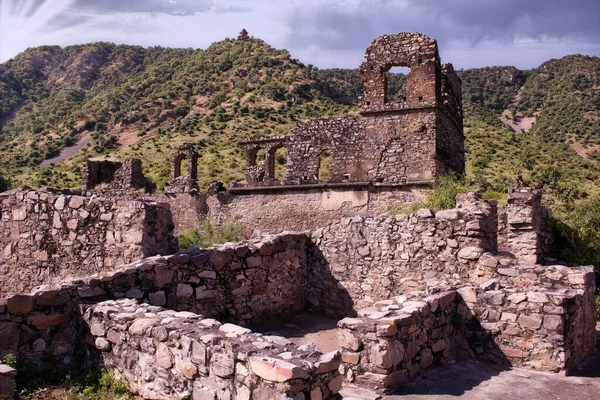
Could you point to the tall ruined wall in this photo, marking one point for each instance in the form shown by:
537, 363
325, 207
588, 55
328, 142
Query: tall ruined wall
189, 210
416, 51
400, 147
46, 237
357, 261
340, 136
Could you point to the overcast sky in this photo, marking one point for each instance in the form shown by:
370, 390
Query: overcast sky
326, 33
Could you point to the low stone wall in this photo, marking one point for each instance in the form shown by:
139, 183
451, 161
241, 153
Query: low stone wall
240, 282
164, 354
538, 329
355, 262
46, 237
541, 317
7, 382
396, 340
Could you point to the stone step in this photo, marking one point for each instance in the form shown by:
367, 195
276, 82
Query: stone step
352, 393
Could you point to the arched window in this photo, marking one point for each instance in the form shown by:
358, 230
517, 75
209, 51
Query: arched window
324, 172
395, 84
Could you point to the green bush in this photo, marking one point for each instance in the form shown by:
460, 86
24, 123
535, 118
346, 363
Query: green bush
444, 192
209, 236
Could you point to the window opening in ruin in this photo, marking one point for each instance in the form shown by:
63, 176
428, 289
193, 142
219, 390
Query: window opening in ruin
181, 166
395, 84
346, 177
281, 167
261, 155
324, 174
185, 166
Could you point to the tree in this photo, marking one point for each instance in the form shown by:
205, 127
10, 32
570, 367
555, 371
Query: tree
3, 184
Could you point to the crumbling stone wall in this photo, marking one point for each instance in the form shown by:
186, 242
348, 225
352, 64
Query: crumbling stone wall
165, 354
242, 283
46, 237
406, 140
471, 301
276, 211
398, 339
356, 261
525, 225
115, 178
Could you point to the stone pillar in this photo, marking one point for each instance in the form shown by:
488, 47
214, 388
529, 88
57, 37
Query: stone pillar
527, 225
7, 382
481, 230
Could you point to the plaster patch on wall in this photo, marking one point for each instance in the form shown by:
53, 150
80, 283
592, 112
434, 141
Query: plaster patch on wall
333, 200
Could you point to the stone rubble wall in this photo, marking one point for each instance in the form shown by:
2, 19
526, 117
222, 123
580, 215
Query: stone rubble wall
7, 382
541, 329
396, 340
46, 237
550, 327
189, 210
242, 283
164, 354
356, 262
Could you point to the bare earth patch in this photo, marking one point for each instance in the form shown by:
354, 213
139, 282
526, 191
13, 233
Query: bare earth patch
521, 124
69, 152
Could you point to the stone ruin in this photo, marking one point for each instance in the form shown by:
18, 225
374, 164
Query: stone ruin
409, 139
115, 178
100, 272
187, 183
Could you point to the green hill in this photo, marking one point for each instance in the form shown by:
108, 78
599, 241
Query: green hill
106, 100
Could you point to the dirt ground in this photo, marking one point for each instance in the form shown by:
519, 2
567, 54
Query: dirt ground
304, 329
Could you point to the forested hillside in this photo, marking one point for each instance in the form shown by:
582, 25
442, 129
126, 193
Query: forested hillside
59, 106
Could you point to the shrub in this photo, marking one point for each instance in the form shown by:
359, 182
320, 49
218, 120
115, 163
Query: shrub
208, 236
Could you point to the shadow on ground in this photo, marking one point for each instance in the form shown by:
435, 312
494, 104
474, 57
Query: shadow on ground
475, 380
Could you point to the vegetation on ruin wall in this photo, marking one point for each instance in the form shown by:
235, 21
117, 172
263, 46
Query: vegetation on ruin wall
208, 236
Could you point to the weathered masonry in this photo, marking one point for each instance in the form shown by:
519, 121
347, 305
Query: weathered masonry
408, 139
412, 291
